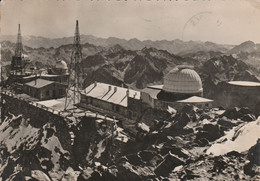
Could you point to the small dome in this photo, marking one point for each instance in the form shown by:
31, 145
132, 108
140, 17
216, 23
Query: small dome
61, 65
25, 56
182, 80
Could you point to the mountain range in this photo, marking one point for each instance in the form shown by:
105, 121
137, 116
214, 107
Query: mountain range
138, 66
175, 46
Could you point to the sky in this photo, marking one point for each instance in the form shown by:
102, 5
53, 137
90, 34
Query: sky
219, 21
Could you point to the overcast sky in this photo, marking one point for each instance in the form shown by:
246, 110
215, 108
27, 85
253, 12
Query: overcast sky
228, 22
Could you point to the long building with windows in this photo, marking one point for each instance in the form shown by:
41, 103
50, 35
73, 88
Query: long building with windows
181, 86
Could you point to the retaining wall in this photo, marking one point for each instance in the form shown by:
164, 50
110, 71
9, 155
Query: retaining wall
38, 114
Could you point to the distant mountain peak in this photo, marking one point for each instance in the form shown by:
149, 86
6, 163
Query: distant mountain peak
247, 46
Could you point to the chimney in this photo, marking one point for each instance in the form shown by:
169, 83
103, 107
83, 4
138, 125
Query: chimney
35, 72
109, 88
115, 89
127, 92
95, 83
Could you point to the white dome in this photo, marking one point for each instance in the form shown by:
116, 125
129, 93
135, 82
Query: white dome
61, 65
184, 80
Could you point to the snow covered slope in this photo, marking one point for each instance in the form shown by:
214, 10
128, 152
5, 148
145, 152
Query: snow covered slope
239, 139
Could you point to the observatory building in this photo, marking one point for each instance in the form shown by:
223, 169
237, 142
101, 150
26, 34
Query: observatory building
59, 73
242, 94
181, 86
47, 86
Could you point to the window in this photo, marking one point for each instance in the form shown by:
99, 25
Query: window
60, 91
47, 93
53, 93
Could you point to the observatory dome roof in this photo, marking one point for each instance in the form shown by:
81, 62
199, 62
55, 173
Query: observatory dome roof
182, 80
61, 64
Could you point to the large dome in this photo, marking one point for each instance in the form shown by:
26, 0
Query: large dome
182, 80
61, 65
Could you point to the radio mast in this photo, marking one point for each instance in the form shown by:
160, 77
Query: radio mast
76, 72
17, 63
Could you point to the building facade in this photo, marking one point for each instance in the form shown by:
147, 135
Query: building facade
242, 94
108, 99
181, 87
43, 89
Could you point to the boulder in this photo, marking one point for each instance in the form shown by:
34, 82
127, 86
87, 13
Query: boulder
168, 164
189, 109
18, 176
209, 132
180, 152
147, 155
39, 175
248, 118
225, 122
219, 164
251, 169
245, 110
128, 172
232, 113
134, 159
254, 153
182, 120
189, 175
206, 116
16, 122
234, 154
203, 142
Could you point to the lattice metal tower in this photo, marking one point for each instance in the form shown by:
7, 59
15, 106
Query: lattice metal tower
18, 63
76, 72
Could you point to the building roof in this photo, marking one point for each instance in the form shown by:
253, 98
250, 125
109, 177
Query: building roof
110, 93
39, 83
244, 83
156, 87
151, 91
30, 76
195, 99
182, 80
50, 75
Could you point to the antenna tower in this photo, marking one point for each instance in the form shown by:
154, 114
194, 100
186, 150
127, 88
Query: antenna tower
17, 62
76, 73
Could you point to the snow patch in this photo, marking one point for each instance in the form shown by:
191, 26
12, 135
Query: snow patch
239, 139
101, 149
13, 138
39, 175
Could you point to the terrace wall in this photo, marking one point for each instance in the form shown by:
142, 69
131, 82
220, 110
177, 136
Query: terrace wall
39, 115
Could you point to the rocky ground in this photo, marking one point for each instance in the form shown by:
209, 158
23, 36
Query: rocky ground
189, 145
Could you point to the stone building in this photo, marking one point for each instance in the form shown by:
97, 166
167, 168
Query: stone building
44, 89
108, 99
181, 87
242, 94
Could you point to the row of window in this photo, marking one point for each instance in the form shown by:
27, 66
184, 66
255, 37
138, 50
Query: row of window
60, 92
